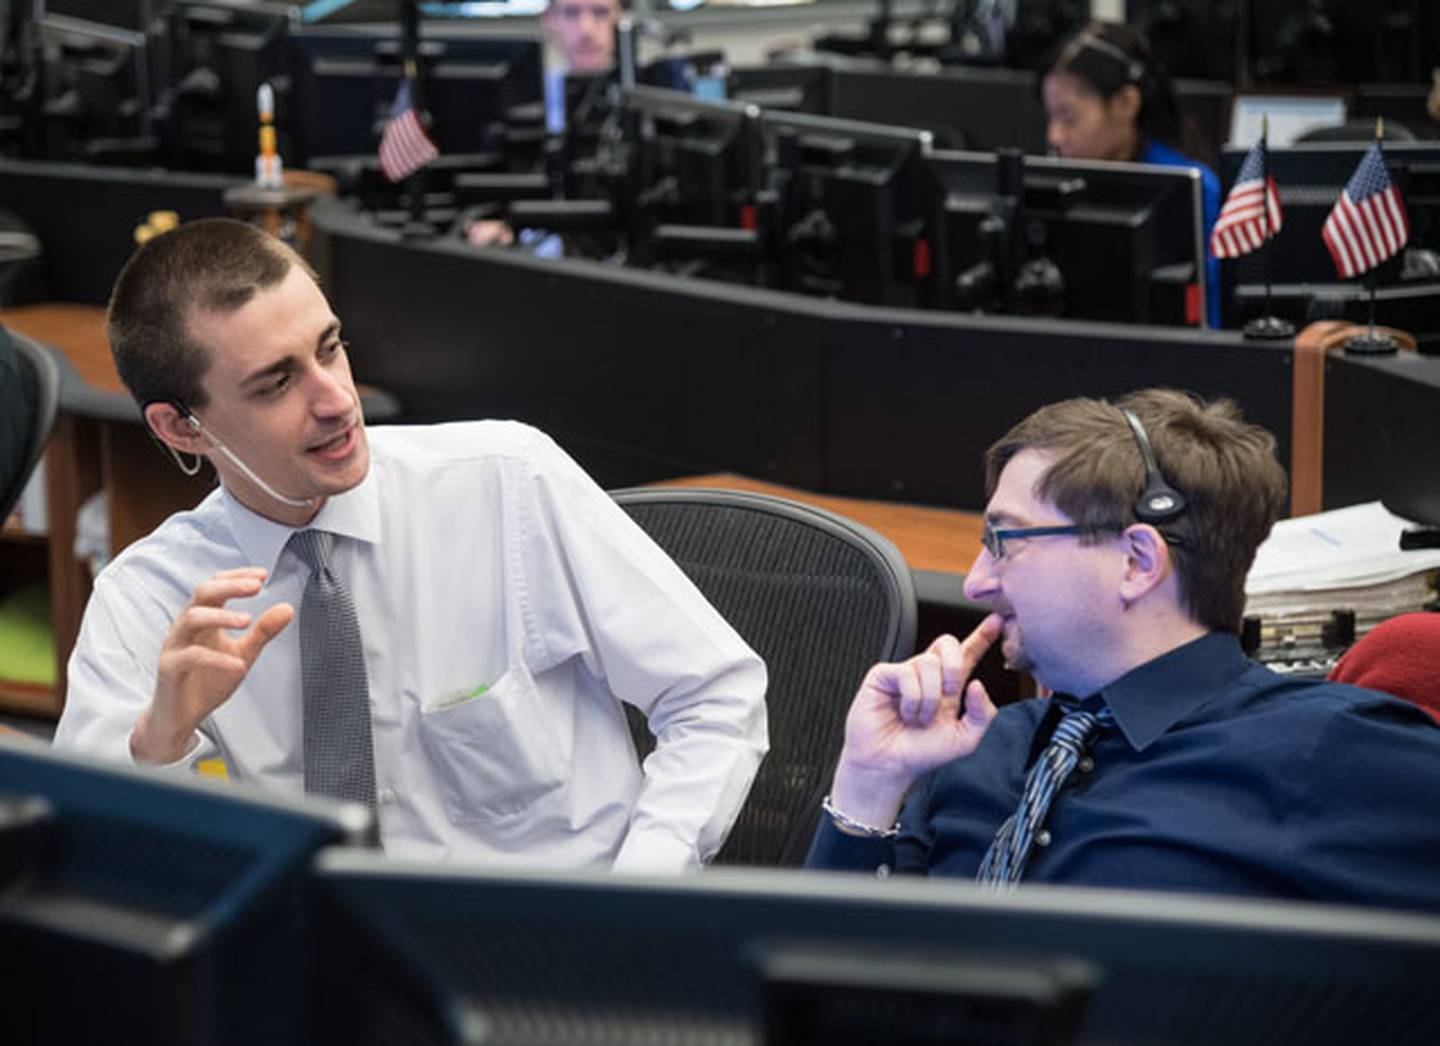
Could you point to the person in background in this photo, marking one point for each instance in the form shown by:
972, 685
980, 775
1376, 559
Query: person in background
1107, 98
582, 34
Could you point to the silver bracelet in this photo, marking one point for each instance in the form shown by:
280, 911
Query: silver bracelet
849, 824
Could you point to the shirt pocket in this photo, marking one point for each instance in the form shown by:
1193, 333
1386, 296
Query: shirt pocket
494, 755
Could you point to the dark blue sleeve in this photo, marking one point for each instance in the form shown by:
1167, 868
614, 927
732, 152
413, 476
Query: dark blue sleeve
1368, 828
908, 854
836, 850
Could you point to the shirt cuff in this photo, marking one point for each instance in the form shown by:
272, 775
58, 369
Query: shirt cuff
841, 851
654, 853
201, 748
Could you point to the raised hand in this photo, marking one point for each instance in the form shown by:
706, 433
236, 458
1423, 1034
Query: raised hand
202, 662
906, 720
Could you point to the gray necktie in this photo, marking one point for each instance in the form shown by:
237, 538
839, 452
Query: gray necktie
339, 758
1005, 861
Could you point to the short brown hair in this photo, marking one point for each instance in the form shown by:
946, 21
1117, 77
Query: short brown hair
1224, 466
215, 264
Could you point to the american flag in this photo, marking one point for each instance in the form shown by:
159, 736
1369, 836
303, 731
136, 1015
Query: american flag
404, 147
1368, 223
1244, 223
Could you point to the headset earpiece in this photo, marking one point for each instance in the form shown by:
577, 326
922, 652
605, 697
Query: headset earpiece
1158, 503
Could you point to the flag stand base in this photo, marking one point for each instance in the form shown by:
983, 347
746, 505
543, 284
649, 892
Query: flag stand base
1269, 328
1372, 343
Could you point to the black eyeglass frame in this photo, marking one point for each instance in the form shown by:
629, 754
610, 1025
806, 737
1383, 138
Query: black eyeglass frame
994, 539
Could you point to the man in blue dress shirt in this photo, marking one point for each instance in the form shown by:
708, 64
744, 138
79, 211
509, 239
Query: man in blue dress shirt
1209, 772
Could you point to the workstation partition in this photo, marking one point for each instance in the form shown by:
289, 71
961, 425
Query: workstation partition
644, 376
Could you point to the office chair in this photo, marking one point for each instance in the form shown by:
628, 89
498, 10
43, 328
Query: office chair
47, 388
1401, 657
820, 598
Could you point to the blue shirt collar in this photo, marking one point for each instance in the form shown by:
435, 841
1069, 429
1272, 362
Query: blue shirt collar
1149, 700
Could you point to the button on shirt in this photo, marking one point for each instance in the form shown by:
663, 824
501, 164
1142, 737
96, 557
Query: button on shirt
1219, 777
507, 606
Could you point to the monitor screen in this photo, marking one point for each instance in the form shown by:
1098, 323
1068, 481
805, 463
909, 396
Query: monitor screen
1288, 116
139, 906
739, 957
1086, 239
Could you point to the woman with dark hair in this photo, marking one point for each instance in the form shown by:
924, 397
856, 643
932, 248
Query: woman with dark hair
1107, 98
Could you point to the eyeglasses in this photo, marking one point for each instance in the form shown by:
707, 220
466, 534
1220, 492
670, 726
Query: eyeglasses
994, 540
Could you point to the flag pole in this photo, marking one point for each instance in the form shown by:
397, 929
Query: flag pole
1267, 327
1373, 342
417, 227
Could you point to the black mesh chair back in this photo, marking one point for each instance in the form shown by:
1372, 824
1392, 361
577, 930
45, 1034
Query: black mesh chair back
820, 598
46, 374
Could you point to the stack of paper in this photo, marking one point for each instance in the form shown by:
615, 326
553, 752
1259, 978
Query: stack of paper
1348, 559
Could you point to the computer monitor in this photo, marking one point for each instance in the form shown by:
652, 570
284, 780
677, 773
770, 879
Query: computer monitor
1287, 117
96, 92
212, 58
140, 907
1310, 178
850, 211
696, 171
1076, 238
424, 955
344, 79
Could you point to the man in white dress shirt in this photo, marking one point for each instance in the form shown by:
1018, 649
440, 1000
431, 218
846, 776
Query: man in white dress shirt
507, 606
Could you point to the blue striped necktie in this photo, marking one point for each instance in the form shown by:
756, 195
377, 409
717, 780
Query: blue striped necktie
338, 755
1005, 861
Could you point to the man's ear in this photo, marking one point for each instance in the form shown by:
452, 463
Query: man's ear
1147, 561
173, 428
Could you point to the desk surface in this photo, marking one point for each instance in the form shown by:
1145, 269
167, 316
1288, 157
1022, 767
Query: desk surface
78, 331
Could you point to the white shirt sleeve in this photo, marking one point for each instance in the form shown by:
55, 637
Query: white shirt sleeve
601, 589
111, 675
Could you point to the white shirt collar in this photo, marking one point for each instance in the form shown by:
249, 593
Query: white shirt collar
353, 514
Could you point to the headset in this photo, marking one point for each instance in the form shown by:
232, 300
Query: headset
1159, 503
250, 474
1134, 68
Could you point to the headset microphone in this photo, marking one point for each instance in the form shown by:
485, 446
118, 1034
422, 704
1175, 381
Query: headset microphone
234, 458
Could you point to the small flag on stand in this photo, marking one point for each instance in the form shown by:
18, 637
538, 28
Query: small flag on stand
404, 146
1251, 214
1368, 223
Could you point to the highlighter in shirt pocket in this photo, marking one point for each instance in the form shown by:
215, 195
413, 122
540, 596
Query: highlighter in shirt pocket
491, 749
